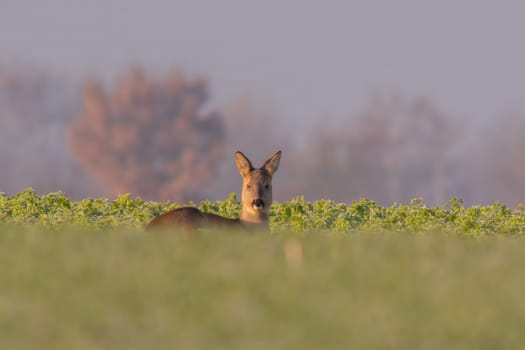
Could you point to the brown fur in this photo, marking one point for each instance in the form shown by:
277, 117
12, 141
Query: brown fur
257, 185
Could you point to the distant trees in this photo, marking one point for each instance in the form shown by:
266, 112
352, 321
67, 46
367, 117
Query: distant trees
154, 137
35, 107
393, 151
150, 137
501, 163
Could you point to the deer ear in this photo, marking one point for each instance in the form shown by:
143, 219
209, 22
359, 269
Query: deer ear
272, 163
243, 163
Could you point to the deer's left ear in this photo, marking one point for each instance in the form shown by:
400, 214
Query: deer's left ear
272, 163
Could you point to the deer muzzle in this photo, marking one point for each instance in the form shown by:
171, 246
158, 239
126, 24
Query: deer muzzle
258, 204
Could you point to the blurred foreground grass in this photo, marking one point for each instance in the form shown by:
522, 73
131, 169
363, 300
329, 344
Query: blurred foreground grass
67, 289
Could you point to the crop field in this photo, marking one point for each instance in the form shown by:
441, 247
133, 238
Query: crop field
85, 275
56, 210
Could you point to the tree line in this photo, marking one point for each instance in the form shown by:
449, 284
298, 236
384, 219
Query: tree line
157, 137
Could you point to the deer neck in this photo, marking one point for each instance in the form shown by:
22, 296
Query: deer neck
254, 218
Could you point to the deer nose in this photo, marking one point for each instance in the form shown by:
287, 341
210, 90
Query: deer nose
258, 203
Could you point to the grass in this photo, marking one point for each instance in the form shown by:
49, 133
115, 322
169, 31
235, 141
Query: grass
70, 289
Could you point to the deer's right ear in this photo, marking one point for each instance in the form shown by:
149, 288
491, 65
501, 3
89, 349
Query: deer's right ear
243, 163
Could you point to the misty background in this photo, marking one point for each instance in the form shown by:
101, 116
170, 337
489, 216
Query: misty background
378, 99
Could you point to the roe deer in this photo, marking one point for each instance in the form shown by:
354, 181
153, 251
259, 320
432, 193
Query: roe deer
256, 201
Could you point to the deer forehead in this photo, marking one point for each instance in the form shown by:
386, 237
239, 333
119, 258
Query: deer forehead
257, 177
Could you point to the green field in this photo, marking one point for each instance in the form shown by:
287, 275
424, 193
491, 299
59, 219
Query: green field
132, 290
85, 275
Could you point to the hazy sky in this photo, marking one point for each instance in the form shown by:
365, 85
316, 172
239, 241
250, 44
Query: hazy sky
311, 58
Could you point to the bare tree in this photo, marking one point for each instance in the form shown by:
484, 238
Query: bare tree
149, 136
393, 151
35, 107
500, 167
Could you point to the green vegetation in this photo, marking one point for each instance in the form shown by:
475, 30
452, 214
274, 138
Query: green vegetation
55, 210
84, 275
124, 289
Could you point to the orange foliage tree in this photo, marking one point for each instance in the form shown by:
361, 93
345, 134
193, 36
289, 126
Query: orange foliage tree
149, 137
